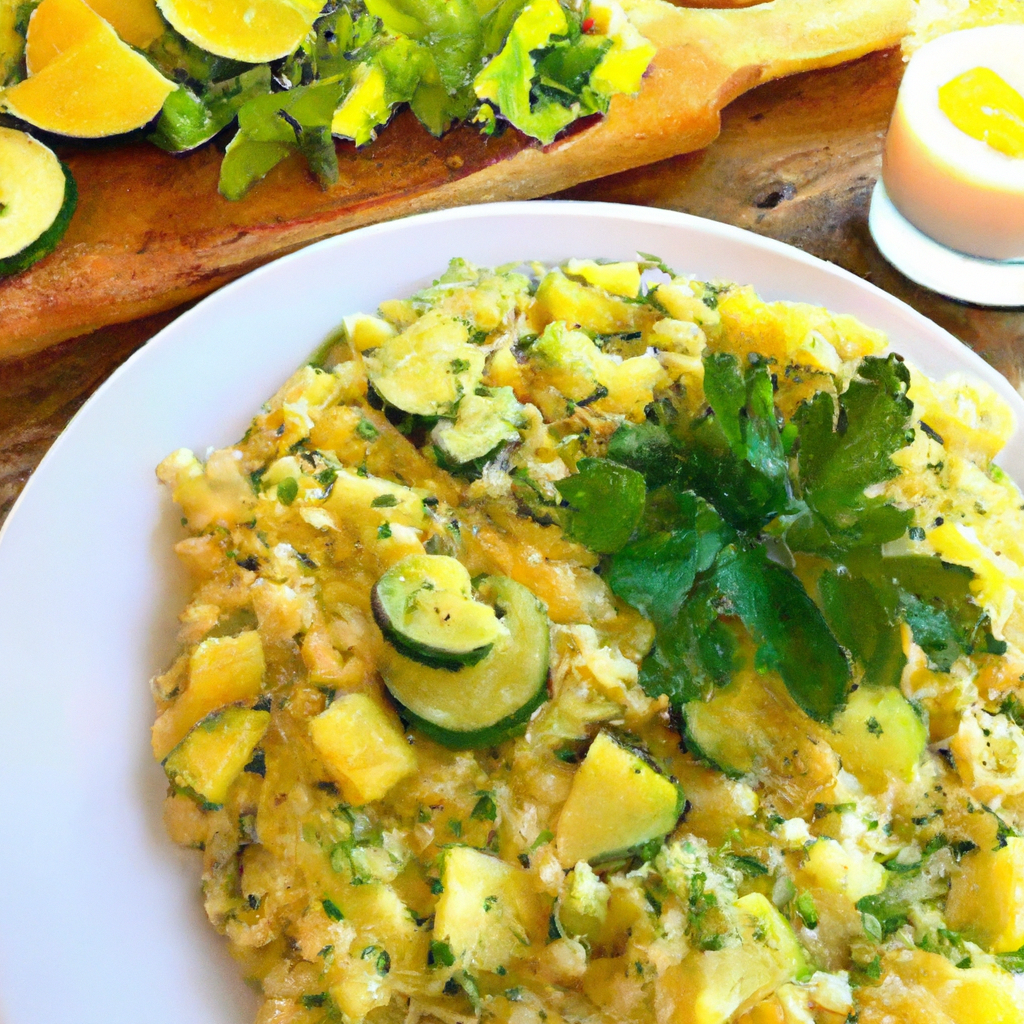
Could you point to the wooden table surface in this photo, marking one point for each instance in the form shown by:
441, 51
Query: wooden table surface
796, 160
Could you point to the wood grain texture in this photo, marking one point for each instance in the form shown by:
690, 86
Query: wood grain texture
796, 160
152, 232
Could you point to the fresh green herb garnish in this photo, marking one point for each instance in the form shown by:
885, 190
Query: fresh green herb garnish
606, 501
441, 953
331, 909
287, 490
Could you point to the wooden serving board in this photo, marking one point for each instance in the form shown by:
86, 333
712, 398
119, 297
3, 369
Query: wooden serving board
796, 160
152, 232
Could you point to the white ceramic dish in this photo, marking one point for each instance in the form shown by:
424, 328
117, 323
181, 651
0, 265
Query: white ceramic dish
936, 266
100, 917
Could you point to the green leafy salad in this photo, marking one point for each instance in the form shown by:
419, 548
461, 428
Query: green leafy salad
537, 65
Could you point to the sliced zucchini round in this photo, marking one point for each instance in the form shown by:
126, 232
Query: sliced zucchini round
492, 700
425, 607
37, 199
716, 732
427, 368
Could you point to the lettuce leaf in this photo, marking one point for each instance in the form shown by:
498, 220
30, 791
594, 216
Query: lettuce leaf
451, 34
507, 80
187, 120
272, 127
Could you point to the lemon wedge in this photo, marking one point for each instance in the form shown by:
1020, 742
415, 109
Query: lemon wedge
84, 81
136, 21
254, 31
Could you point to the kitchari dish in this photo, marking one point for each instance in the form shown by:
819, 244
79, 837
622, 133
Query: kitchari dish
596, 643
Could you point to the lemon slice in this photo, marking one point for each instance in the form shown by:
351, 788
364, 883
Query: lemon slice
85, 81
57, 25
136, 21
254, 31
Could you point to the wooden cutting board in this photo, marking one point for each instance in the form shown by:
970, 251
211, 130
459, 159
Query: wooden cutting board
151, 230
785, 165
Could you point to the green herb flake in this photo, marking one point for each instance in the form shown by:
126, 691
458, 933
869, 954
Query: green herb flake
485, 808
287, 490
331, 909
441, 954
806, 909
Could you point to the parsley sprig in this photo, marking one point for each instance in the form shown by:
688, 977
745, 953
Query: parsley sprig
731, 495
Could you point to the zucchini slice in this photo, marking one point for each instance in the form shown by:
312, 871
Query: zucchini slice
484, 423
37, 199
425, 608
427, 368
214, 753
879, 737
492, 700
618, 800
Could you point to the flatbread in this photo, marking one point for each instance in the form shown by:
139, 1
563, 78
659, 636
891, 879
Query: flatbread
152, 232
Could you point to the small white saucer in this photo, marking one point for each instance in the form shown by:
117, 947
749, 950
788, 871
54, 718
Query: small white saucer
946, 271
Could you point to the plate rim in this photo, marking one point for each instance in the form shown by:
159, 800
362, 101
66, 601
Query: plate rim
556, 207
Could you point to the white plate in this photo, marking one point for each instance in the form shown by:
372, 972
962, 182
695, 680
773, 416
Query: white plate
100, 917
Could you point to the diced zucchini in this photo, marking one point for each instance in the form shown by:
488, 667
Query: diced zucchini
364, 108
37, 200
427, 368
369, 501
222, 671
425, 608
879, 737
617, 801
763, 924
834, 867
483, 423
560, 298
213, 754
479, 914
583, 907
716, 986
569, 360
361, 747
717, 730
365, 332
617, 278
986, 899
492, 700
